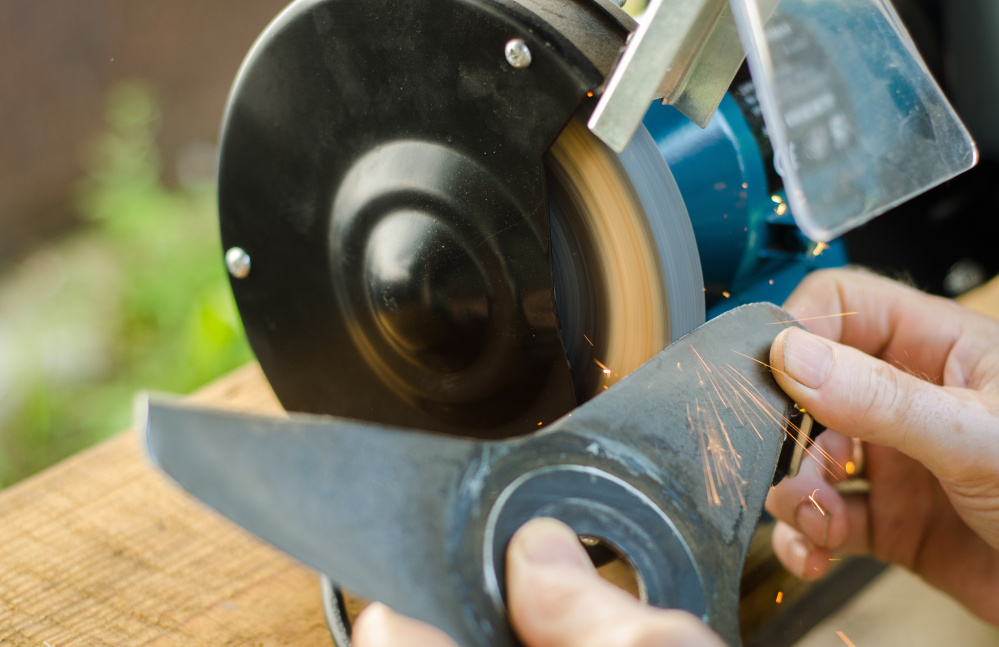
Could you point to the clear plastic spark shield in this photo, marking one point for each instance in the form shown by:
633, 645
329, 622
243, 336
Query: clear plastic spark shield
857, 123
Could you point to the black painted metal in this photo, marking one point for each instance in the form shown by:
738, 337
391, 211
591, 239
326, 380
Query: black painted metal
670, 466
382, 165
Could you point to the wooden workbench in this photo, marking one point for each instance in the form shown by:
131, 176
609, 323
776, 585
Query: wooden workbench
103, 550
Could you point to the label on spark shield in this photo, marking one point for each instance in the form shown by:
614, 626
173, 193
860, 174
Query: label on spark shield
821, 123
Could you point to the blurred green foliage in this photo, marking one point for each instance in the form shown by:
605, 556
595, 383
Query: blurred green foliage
635, 7
136, 299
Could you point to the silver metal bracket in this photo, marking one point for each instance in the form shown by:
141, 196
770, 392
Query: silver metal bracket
684, 52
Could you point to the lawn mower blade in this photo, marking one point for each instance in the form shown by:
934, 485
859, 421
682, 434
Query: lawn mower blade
670, 467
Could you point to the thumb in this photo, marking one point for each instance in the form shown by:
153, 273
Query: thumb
865, 397
557, 599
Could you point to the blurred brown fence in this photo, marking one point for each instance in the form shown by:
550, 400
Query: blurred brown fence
59, 57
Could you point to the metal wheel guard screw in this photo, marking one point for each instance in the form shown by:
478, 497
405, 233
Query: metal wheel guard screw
518, 54
237, 261
670, 466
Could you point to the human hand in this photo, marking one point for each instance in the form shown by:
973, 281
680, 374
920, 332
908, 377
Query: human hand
916, 379
556, 599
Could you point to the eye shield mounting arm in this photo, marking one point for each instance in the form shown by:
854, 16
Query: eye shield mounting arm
685, 52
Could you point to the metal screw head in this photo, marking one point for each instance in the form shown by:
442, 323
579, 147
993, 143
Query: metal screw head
238, 262
518, 54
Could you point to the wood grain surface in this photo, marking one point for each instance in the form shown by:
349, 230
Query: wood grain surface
103, 550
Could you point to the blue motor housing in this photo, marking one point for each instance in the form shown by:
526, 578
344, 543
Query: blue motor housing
750, 248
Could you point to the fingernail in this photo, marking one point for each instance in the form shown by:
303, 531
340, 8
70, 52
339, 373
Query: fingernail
546, 541
814, 522
799, 555
807, 357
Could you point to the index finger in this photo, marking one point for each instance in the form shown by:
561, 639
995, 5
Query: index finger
927, 336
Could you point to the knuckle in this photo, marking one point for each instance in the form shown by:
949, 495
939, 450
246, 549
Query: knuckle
783, 500
969, 452
817, 282
885, 394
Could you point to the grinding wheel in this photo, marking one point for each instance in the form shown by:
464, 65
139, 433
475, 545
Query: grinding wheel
627, 281
627, 272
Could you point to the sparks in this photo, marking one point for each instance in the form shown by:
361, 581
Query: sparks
780, 597
842, 314
762, 410
842, 636
588, 340
775, 370
819, 248
721, 462
777, 199
725, 388
781, 209
824, 458
850, 468
606, 370
711, 491
705, 364
726, 294
811, 497
541, 423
